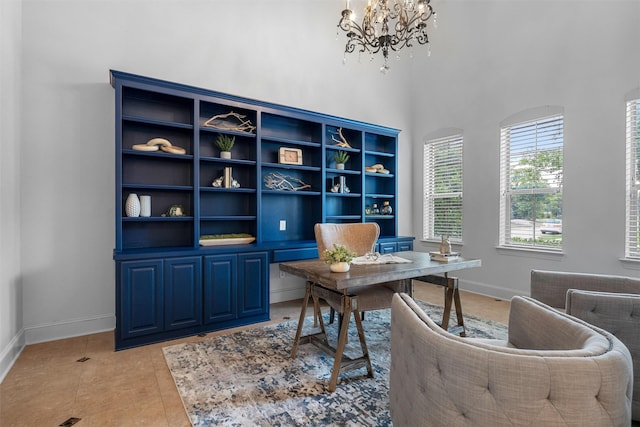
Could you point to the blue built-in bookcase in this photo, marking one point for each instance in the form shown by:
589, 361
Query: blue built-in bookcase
167, 284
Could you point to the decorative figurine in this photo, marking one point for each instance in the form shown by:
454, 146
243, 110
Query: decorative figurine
341, 141
175, 210
445, 245
278, 181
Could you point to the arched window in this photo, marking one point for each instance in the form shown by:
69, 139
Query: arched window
531, 174
442, 211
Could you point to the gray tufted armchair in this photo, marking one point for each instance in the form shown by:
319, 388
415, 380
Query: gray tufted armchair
618, 314
554, 370
609, 302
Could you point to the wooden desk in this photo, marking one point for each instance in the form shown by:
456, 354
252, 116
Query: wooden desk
317, 273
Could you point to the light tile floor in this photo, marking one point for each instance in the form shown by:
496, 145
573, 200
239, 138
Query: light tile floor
47, 385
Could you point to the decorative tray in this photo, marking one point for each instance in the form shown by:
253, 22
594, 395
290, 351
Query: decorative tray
228, 241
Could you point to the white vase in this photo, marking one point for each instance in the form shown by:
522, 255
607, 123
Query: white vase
340, 267
225, 154
339, 165
145, 206
132, 205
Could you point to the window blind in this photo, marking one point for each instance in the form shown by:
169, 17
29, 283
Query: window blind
442, 211
632, 243
531, 168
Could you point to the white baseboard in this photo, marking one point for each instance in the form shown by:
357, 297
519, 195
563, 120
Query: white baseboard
281, 295
488, 290
10, 354
69, 328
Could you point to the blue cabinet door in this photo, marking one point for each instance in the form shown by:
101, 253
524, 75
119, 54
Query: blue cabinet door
220, 288
253, 283
182, 292
141, 298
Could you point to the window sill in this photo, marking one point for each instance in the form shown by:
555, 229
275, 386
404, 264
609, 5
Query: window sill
535, 252
630, 263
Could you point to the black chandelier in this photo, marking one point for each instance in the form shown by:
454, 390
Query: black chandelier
387, 28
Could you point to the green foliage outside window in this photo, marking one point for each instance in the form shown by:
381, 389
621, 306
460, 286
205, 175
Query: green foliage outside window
537, 172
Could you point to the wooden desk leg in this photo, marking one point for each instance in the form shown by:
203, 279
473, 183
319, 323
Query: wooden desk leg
303, 313
342, 342
448, 297
318, 313
451, 296
363, 343
350, 306
408, 287
456, 299
453, 293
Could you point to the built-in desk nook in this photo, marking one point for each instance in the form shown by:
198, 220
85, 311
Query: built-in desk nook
196, 231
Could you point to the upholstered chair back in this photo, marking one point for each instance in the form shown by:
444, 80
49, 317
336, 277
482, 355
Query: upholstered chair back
619, 314
550, 287
553, 370
357, 237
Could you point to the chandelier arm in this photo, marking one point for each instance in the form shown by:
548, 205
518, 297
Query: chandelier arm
422, 17
384, 28
364, 47
364, 33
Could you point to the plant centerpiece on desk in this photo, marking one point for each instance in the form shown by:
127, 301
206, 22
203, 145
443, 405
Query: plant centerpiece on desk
338, 258
341, 157
225, 144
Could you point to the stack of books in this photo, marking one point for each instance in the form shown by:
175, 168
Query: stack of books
437, 256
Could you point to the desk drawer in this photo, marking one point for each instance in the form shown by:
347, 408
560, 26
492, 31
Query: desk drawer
281, 255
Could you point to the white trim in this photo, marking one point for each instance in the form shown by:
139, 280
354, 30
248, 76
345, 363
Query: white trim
532, 114
10, 354
442, 133
487, 290
69, 328
283, 295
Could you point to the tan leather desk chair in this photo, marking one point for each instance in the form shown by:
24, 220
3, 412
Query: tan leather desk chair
360, 238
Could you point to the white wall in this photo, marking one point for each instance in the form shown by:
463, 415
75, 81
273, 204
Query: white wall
254, 49
492, 59
11, 307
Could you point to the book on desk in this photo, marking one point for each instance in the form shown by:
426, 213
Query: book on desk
440, 257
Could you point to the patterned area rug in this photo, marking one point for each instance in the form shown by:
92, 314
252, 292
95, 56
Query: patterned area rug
248, 377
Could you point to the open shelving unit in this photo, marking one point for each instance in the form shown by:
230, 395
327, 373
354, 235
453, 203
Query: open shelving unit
167, 285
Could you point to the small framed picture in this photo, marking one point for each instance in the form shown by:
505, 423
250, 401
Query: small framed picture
290, 156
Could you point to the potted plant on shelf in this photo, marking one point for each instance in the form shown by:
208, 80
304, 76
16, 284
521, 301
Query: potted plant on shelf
341, 157
338, 258
225, 144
